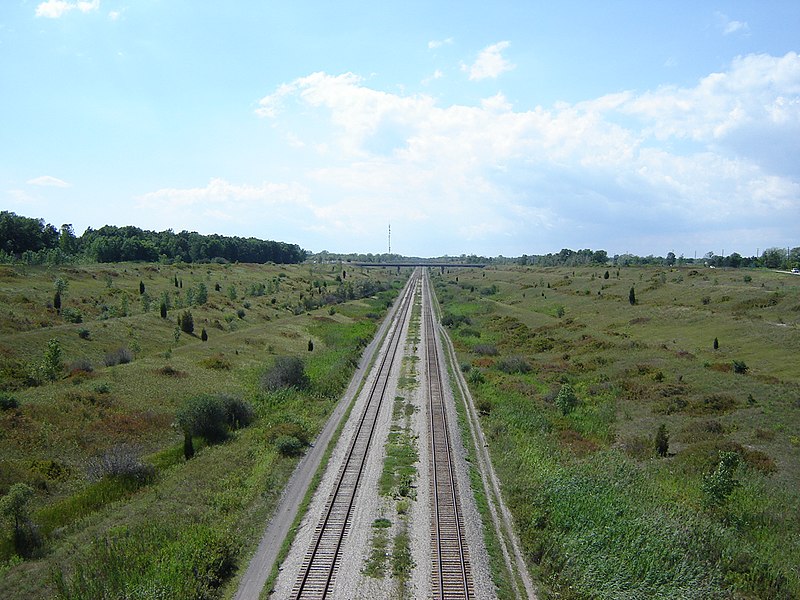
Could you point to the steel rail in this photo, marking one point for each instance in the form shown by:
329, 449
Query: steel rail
452, 576
322, 559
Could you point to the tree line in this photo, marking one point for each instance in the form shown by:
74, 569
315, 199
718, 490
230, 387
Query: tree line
35, 242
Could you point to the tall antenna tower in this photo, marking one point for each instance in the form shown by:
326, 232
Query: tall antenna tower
390, 238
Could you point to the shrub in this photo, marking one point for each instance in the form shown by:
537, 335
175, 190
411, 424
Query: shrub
286, 371
119, 461
717, 486
240, 313
632, 297
7, 402
484, 406
72, 315
476, 377
486, 349
186, 322
566, 399
203, 416
120, 356
288, 445
218, 361
81, 365
513, 364
740, 367
662, 440
84, 333
163, 310
716, 344
238, 413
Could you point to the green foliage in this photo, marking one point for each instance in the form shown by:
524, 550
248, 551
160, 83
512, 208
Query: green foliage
14, 506
513, 364
632, 296
52, 365
120, 461
662, 440
289, 445
120, 356
8, 402
740, 367
566, 400
716, 344
204, 335
200, 295
476, 377
158, 560
163, 309
286, 371
203, 416
717, 486
187, 322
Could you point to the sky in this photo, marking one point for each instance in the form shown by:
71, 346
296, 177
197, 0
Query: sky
471, 127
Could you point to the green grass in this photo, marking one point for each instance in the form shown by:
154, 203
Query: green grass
222, 497
599, 514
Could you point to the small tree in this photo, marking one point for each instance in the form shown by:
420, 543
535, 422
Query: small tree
716, 344
163, 310
310, 345
606, 275
566, 399
51, 365
632, 296
187, 322
14, 505
204, 335
740, 367
662, 440
717, 486
141, 287
57, 302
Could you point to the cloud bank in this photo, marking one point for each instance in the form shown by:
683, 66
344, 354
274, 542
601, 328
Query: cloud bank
679, 169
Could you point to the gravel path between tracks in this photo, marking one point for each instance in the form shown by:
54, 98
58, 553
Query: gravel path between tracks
367, 504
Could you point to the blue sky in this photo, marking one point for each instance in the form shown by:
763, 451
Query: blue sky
472, 127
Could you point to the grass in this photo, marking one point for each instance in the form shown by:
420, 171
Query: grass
218, 500
599, 514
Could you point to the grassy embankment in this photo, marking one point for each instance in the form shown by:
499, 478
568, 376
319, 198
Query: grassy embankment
600, 514
184, 531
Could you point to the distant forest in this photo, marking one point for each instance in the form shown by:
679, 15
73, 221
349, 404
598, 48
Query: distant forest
33, 241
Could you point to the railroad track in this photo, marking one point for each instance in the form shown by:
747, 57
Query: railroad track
322, 560
451, 577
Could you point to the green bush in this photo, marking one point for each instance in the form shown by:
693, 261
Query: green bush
288, 445
717, 486
513, 364
7, 402
566, 399
286, 371
203, 416
186, 322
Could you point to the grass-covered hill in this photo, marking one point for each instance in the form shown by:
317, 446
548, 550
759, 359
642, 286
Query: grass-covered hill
92, 450
574, 382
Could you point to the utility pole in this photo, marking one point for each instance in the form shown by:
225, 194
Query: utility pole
390, 238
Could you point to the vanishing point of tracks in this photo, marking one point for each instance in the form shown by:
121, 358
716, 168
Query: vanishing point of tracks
451, 577
323, 558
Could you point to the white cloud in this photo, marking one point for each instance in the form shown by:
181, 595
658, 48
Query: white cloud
55, 9
48, 181
641, 168
490, 63
729, 26
433, 44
